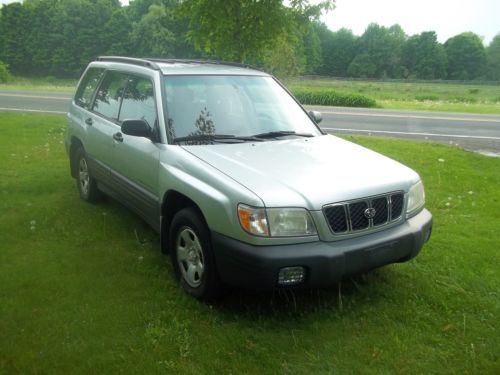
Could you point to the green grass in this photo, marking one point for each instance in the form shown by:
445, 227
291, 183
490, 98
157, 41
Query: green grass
84, 289
447, 97
50, 84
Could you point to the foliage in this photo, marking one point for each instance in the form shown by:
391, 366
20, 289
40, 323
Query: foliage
443, 96
362, 66
4, 73
84, 288
13, 39
424, 57
493, 58
466, 57
283, 60
53, 37
152, 34
236, 30
332, 98
338, 50
379, 53
258, 32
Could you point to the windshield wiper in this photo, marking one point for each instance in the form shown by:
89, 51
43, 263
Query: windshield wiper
281, 133
210, 138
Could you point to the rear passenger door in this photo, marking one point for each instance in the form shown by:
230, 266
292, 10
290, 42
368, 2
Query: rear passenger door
102, 123
134, 167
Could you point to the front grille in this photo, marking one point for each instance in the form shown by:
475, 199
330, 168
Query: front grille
366, 213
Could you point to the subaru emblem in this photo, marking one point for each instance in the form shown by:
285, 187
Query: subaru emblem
370, 213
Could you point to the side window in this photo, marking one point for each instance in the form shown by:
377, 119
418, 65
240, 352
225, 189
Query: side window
138, 101
87, 86
109, 95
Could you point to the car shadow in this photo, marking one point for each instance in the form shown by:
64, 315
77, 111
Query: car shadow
349, 294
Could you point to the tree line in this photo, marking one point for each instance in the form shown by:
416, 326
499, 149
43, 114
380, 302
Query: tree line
59, 37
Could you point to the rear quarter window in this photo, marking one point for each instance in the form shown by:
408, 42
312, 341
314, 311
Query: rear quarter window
87, 87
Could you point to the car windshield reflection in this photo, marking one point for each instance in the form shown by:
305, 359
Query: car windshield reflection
200, 107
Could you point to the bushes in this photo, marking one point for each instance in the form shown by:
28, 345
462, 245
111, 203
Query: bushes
4, 73
331, 98
426, 98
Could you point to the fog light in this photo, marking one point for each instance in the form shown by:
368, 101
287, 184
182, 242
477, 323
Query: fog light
291, 276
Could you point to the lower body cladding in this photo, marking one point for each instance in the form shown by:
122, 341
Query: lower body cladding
317, 264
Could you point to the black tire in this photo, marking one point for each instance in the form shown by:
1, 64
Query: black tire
86, 184
192, 255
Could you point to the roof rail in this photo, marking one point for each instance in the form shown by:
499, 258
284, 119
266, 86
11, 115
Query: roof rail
148, 63
194, 61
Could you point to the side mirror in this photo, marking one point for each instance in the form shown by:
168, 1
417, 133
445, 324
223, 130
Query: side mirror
316, 116
136, 128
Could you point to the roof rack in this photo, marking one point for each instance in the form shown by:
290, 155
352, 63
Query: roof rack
194, 61
148, 63
152, 62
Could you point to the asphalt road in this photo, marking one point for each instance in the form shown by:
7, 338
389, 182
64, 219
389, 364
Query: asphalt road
470, 131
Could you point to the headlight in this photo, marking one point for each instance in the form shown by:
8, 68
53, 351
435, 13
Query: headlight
285, 222
416, 198
276, 222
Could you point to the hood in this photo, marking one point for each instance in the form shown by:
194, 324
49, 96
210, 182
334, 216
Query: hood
307, 172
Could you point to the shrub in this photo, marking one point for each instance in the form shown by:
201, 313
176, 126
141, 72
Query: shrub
4, 73
462, 99
331, 98
425, 98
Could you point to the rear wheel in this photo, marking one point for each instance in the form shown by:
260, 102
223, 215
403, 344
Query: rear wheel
192, 255
86, 184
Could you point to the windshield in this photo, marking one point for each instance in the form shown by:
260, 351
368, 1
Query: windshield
239, 106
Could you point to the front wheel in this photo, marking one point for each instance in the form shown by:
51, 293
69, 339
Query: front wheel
192, 255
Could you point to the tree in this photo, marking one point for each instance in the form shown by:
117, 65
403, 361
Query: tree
311, 49
151, 36
362, 66
60, 41
13, 20
245, 30
116, 35
338, 50
424, 57
379, 50
466, 57
493, 58
4, 73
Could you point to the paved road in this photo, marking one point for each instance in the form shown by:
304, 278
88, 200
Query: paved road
471, 131
30, 101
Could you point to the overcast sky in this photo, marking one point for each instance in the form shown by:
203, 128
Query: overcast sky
446, 17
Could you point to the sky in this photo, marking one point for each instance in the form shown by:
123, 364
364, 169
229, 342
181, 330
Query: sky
447, 17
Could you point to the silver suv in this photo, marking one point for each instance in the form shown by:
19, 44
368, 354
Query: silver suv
242, 185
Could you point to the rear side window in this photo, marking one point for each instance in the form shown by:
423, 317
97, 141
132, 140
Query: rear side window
87, 87
138, 101
109, 95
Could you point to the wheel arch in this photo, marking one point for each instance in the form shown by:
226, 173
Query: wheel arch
75, 144
173, 202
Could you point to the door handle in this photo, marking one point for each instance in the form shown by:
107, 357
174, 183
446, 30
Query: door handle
89, 121
118, 137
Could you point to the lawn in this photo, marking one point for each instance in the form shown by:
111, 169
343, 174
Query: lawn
44, 84
84, 288
429, 96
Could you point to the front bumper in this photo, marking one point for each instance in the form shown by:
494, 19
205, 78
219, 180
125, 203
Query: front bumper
257, 267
